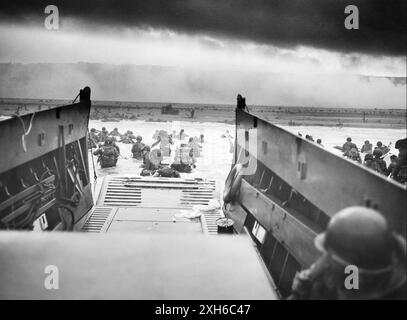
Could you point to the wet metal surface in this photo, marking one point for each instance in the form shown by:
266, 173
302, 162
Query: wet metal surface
152, 205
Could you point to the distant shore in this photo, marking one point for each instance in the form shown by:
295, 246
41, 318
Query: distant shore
292, 116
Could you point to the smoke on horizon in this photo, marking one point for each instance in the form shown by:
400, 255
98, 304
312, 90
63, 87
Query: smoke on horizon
172, 84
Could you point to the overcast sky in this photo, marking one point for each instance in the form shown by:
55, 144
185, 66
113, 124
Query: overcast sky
272, 36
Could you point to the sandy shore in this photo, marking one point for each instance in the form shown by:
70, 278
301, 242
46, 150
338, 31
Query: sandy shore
292, 116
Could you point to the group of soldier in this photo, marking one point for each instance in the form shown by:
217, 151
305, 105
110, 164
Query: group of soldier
185, 156
374, 158
310, 138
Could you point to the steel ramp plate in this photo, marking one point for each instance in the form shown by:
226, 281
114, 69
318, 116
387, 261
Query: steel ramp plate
99, 219
155, 192
152, 205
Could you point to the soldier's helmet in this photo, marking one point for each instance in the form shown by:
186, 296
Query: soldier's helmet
109, 140
377, 152
379, 143
401, 144
93, 130
139, 138
146, 148
349, 139
358, 236
368, 156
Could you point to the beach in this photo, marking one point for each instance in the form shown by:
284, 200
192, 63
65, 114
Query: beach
108, 111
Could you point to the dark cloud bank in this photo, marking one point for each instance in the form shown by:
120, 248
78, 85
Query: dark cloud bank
284, 23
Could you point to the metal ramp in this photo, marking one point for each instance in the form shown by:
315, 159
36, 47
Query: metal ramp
99, 220
152, 204
155, 192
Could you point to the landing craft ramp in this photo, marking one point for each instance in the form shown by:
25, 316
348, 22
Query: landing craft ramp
128, 245
132, 245
152, 204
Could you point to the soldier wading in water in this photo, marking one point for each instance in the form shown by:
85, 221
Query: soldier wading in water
107, 153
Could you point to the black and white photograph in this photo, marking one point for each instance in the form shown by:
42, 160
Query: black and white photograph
202, 155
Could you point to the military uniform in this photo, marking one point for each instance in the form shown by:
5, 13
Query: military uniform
115, 133
93, 140
137, 150
108, 156
399, 172
348, 146
357, 237
103, 136
366, 148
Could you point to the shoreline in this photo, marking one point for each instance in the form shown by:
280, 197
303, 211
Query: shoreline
279, 115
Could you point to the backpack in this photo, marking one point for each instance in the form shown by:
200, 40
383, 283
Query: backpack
168, 172
181, 167
108, 157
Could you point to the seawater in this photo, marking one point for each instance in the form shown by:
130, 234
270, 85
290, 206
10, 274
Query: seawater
216, 156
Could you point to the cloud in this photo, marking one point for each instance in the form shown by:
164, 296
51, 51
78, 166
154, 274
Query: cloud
171, 84
281, 23
158, 47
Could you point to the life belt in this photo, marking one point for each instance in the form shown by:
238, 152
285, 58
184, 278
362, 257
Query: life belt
232, 184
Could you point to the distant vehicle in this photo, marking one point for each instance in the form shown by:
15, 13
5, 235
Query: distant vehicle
168, 109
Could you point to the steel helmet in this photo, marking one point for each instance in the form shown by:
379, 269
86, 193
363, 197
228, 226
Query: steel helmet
402, 143
139, 138
369, 156
377, 152
358, 236
109, 140
379, 143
